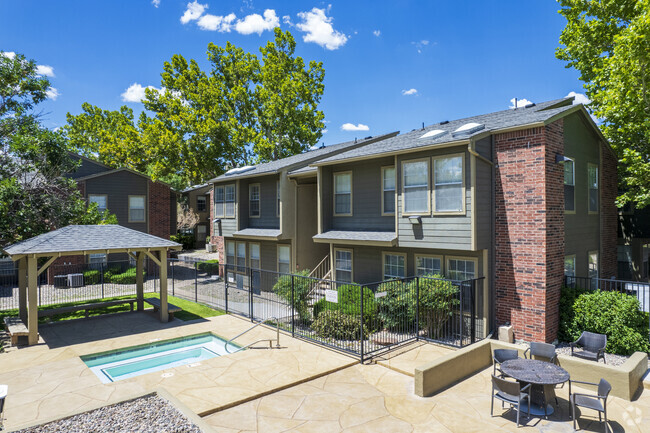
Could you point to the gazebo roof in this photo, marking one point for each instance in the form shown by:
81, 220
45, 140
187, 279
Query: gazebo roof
86, 239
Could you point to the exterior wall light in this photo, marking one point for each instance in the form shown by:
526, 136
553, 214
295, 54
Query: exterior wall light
415, 219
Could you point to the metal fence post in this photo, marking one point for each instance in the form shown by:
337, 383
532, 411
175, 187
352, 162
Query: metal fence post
417, 308
462, 314
225, 285
250, 295
472, 297
101, 270
293, 308
196, 283
361, 313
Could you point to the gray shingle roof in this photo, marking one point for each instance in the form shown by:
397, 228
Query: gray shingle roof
258, 233
300, 160
89, 238
492, 121
356, 236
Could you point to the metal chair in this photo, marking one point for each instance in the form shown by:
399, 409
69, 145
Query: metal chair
502, 355
542, 352
3, 395
509, 392
590, 401
593, 346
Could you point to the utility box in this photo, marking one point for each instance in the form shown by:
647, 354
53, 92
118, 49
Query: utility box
507, 334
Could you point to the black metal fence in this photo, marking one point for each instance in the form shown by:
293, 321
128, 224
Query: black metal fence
640, 290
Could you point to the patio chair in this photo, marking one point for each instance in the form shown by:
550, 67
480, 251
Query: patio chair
3, 395
509, 392
502, 355
596, 402
593, 346
542, 352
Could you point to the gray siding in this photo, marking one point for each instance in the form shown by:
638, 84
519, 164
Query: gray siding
438, 231
228, 225
86, 168
581, 229
268, 218
308, 253
118, 187
484, 205
484, 147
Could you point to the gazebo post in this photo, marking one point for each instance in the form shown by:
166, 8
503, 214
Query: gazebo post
22, 289
139, 279
32, 300
164, 315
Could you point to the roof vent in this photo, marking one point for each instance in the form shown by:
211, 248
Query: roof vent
238, 170
468, 129
444, 122
433, 133
368, 137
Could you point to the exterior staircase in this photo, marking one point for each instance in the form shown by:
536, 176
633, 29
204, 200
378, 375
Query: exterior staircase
322, 275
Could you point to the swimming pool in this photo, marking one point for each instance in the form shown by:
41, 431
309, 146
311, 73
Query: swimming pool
136, 360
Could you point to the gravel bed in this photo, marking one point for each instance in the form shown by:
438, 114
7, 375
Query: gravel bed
149, 414
613, 360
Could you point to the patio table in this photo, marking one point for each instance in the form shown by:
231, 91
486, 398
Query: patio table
541, 375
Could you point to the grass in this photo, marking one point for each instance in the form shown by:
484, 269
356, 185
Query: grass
191, 310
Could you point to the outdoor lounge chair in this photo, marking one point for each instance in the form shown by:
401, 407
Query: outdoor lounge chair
592, 345
542, 352
590, 401
502, 355
509, 392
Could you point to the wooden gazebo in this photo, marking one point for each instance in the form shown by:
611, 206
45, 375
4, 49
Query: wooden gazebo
83, 240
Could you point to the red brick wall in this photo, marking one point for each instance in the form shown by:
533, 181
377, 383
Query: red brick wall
65, 265
529, 230
608, 214
159, 210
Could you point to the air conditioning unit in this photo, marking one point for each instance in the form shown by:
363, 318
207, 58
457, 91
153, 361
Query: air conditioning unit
75, 280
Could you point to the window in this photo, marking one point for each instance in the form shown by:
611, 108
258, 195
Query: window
461, 269
569, 186
593, 264
201, 232
230, 201
254, 200
343, 193
394, 266
448, 184
343, 265
241, 256
592, 172
284, 259
277, 197
97, 259
415, 178
100, 199
136, 208
230, 260
428, 265
219, 200
570, 266
388, 190
200, 203
254, 263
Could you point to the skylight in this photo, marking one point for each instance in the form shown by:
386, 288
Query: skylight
433, 133
240, 169
468, 128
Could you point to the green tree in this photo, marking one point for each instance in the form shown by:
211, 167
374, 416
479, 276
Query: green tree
608, 42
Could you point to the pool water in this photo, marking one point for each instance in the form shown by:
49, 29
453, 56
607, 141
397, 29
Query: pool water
136, 360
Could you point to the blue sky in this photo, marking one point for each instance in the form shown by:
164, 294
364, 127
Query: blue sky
389, 65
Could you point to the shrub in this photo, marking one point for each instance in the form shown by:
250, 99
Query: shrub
349, 302
604, 312
126, 277
210, 267
338, 325
92, 277
438, 299
302, 288
187, 240
396, 310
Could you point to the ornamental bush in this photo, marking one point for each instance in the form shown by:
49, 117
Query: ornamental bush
397, 308
91, 277
211, 267
126, 277
338, 325
349, 302
605, 312
302, 288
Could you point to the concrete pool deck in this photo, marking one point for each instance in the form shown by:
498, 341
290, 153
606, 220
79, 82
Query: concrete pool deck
50, 380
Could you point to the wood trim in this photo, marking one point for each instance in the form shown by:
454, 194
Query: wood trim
464, 258
277, 256
259, 192
381, 188
319, 199
334, 193
154, 258
472, 165
348, 250
128, 207
429, 180
463, 211
391, 253
431, 256
46, 265
356, 242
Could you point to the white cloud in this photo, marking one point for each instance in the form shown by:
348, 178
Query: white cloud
52, 93
580, 98
353, 127
255, 23
45, 70
319, 29
155, 3
419, 45
135, 93
214, 22
287, 20
520, 102
324, 131
193, 12
9, 54
410, 92
377, 33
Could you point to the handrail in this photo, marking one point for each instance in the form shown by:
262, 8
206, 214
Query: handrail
321, 269
270, 340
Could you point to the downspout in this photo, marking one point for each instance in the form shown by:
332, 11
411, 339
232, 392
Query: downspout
493, 259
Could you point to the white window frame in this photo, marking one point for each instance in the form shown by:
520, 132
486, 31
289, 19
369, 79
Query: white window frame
384, 254
351, 271
278, 257
144, 209
589, 189
342, 173
205, 203
463, 206
589, 263
219, 205
239, 268
251, 187
384, 190
404, 187
460, 258
573, 184
571, 257
90, 196
226, 201
250, 255
231, 264
428, 256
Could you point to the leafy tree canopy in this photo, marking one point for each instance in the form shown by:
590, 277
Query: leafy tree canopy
608, 42
245, 109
